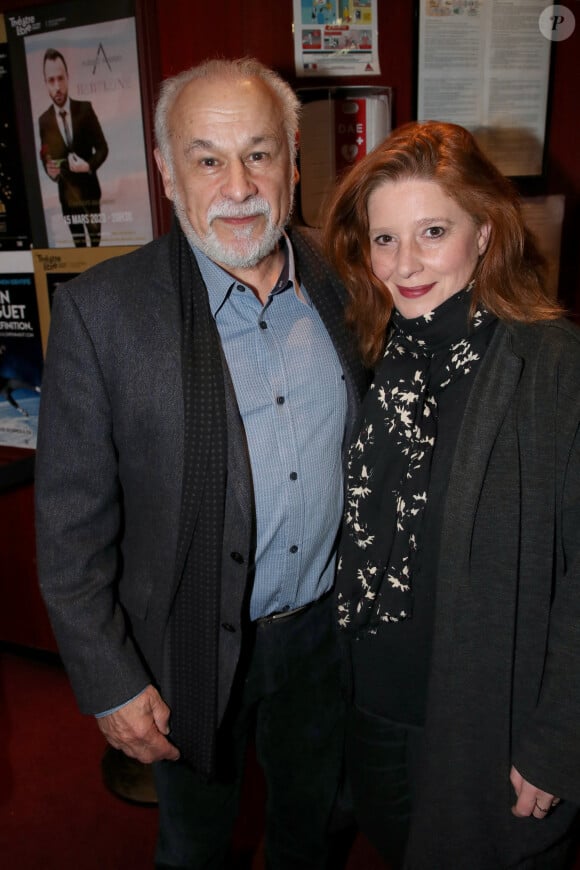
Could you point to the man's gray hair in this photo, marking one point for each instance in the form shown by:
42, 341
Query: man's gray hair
235, 70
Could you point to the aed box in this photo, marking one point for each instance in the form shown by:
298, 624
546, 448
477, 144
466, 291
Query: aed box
339, 126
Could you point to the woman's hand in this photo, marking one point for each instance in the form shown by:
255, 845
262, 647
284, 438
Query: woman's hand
531, 801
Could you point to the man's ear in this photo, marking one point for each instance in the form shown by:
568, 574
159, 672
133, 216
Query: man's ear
166, 175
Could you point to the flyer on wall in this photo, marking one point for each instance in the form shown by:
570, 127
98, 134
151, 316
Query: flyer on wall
20, 351
53, 268
14, 225
336, 38
486, 66
78, 93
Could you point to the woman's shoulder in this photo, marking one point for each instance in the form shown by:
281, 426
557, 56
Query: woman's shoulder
559, 336
550, 354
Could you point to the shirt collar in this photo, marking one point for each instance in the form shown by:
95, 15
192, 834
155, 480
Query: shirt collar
65, 108
219, 283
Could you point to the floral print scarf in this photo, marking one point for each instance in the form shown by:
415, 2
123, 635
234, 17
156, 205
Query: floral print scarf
389, 461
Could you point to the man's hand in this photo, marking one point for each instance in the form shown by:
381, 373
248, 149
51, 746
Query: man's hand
531, 801
139, 728
77, 164
52, 168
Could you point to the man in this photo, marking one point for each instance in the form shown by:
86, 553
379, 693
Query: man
189, 483
72, 149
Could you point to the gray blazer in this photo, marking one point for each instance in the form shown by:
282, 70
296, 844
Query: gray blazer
109, 471
505, 677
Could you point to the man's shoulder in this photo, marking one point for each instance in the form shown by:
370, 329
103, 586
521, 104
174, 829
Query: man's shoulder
307, 239
132, 274
311, 261
78, 106
47, 115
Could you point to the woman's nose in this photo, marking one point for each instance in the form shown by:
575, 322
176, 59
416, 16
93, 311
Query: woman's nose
408, 258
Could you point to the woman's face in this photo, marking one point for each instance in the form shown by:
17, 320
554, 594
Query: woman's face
424, 247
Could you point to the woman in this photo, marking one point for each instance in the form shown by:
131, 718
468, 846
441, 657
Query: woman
460, 556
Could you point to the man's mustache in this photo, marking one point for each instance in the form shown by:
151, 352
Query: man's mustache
251, 208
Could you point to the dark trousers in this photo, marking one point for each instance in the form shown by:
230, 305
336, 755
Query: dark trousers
381, 757
291, 702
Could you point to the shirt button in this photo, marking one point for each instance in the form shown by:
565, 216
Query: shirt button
263, 324
293, 548
293, 475
241, 288
227, 626
237, 557
280, 400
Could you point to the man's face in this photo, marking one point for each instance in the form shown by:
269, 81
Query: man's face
56, 79
232, 179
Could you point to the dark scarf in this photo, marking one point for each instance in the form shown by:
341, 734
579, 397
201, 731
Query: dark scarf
390, 460
195, 615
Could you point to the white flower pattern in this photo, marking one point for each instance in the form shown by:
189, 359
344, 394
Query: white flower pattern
407, 410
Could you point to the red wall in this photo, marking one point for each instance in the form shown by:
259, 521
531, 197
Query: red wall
254, 27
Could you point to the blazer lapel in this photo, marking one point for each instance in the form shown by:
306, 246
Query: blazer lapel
239, 474
489, 400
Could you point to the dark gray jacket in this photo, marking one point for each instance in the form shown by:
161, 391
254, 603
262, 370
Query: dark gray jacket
505, 681
110, 464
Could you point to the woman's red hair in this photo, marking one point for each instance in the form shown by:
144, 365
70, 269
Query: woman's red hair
508, 276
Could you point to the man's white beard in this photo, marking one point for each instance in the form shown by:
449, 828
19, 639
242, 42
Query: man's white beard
246, 251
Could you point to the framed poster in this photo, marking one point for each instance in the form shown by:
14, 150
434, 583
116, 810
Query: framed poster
336, 38
485, 64
21, 357
14, 225
79, 104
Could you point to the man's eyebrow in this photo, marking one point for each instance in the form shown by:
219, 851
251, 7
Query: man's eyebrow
208, 145
199, 145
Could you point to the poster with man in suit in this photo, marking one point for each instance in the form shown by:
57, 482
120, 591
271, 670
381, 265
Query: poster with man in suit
73, 147
80, 116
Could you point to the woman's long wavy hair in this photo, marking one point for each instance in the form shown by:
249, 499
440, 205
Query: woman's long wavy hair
509, 275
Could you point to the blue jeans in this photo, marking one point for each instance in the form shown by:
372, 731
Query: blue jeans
291, 703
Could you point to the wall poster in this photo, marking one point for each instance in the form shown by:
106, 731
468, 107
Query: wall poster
20, 351
14, 226
485, 64
336, 38
80, 116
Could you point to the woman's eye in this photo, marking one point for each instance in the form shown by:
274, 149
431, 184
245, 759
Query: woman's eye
435, 232
383, 239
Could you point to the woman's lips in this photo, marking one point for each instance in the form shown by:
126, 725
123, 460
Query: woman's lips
415, 292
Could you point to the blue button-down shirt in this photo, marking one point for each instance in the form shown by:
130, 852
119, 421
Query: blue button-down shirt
292, 398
